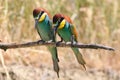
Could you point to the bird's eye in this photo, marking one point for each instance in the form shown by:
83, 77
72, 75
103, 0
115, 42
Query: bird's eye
60, 20
42, 17
39, 15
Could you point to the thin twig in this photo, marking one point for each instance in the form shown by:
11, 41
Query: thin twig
6, 46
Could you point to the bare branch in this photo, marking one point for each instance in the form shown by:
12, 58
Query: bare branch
6, 46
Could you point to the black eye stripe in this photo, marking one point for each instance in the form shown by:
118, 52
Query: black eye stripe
60, 20
40, 14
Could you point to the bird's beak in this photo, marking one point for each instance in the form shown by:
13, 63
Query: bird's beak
36, 22
55, 29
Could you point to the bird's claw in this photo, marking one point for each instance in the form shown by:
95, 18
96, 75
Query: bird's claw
73, 43
41, 41
72, 40
57, 43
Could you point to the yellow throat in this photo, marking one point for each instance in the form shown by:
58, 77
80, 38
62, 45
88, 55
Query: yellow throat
62, 24
42, 17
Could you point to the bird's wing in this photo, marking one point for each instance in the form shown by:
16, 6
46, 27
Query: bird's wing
74, 31
51, 33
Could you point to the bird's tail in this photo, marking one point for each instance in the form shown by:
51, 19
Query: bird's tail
55, 58
79, 57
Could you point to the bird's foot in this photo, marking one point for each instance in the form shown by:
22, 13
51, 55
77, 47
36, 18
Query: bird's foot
39, 41
57, 43
73, 42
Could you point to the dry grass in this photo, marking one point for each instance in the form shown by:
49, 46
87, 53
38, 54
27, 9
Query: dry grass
97, 21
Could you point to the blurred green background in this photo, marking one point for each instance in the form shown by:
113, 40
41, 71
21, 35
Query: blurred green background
97, 21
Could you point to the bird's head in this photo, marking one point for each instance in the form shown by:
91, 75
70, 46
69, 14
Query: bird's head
39, 15
59, 22
56, 17
59, 15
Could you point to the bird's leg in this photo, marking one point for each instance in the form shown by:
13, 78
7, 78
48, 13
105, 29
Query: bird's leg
41, 41
59, 41
72, 40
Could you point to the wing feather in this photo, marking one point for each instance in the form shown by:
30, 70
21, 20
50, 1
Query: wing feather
74, 31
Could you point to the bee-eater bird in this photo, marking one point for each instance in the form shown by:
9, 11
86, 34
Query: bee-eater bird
43, 24
67, 31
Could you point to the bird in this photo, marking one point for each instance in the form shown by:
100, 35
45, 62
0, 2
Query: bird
43, 24
65, 28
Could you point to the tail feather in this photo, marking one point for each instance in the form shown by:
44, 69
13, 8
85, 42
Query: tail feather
79, 57
55, 58
56, 67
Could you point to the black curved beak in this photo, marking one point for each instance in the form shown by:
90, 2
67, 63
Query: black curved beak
36, 22
55, 29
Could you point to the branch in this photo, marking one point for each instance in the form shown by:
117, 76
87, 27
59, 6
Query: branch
6, 46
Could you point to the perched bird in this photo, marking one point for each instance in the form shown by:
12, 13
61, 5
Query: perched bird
63, 25
43, 24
